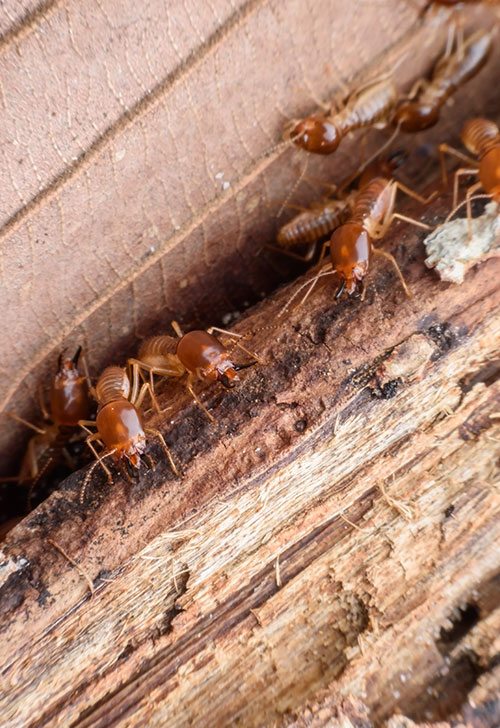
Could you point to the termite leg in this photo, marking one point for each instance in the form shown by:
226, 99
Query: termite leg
468, 195
321, 272
390, 215
329, 186
135, 373
324, 248
419, 85
25, 422
311, 249
88, 440
464, 202
198, 401
136, 395
411, 193
452, 152
462, 172
292, 206
146, 389
411, 220
163, 444
388, 256
34, 473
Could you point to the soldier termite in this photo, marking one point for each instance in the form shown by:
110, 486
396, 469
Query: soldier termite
351, 245
69, 403
199, 354
120, 428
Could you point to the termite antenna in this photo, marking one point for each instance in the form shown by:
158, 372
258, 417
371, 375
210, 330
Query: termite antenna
300, 288
294, 187
467, 200
90, 471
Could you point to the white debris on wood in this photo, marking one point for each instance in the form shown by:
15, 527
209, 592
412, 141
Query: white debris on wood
450, 254
10, 565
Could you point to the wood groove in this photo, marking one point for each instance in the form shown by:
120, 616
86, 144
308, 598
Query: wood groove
142, 107
28, 23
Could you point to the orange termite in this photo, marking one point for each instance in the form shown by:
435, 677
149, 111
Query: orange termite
449, 73
351, 245
323, 217
198, 353
370, 106
120, 428
69, 403
481, 137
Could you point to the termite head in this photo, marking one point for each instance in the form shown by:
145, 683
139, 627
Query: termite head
412, 116
350, 253
317, 134
203, 354
121, 429
69, 395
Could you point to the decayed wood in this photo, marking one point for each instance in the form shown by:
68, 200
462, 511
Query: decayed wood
335, 525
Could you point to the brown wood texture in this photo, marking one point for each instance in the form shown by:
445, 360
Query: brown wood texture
331, 549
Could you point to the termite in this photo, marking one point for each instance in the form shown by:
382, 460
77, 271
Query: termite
449, 73
199, 354
370, 106
351, 245
323, 217
120, 428
69, 403
481, 137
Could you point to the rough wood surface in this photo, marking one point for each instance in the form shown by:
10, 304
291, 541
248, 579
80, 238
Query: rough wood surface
237, 593
331, 551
